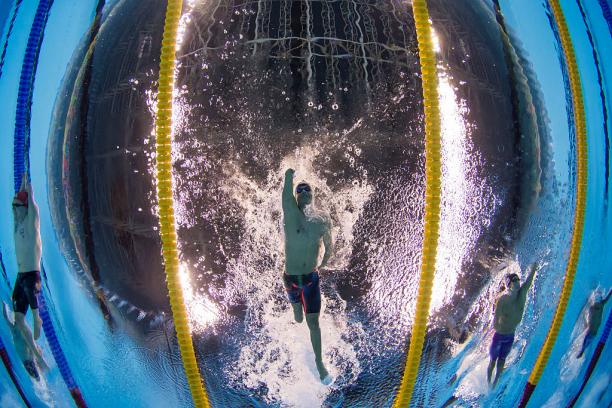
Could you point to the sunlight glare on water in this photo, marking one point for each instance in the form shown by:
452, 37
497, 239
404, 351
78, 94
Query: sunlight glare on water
201, 311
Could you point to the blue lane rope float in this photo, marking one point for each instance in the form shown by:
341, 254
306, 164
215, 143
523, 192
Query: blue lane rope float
21, 161
607, 13
8, 34
594, 359
21, 145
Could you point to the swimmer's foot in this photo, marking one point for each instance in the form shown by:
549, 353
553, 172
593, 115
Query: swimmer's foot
323, 374
31, 369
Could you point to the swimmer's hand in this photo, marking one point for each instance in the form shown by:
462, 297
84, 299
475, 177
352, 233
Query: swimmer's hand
290, 172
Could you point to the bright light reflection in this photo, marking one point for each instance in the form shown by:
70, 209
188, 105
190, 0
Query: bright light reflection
201, 311
436, 41
466, 206
183, 22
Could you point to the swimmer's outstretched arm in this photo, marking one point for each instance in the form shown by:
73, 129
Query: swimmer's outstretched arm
525, 287
24, 182
33, 211
288, 198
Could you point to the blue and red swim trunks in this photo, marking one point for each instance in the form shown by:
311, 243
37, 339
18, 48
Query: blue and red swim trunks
501, 346
304, 289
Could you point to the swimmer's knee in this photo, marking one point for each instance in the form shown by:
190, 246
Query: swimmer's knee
298, 313
312, 319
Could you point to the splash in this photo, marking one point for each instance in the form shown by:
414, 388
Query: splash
276, 360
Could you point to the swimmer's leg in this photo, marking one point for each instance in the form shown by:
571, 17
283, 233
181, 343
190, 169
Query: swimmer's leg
294, 295
312, 319
37, 323
500, 369
26, 335
585, 344
490, 370
298, 312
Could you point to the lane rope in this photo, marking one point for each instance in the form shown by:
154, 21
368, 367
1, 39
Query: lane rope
163, 146
432, 201
579, 214
21, 164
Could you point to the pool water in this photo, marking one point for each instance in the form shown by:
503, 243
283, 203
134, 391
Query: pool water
333, 90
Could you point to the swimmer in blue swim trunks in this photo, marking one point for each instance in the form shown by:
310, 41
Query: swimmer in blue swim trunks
508, 314
303, 237
595, 315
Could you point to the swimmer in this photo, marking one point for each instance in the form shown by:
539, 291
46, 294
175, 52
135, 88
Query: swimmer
27, 354
303, 236
508, 314
595, 314
28, 250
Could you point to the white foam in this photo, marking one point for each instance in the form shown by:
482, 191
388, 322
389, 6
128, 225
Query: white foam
276, 361
279, 356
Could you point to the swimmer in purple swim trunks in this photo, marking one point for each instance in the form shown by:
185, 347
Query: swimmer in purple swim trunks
303, 237
508, 314
595, 314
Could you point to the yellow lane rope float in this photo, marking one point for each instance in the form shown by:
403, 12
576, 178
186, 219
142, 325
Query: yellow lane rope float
581, 189
432, 200
163, 126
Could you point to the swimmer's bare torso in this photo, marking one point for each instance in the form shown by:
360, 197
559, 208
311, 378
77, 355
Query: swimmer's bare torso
303, 234
26, 233
510, 306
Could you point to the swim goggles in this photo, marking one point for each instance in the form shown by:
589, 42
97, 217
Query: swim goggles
302, 187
